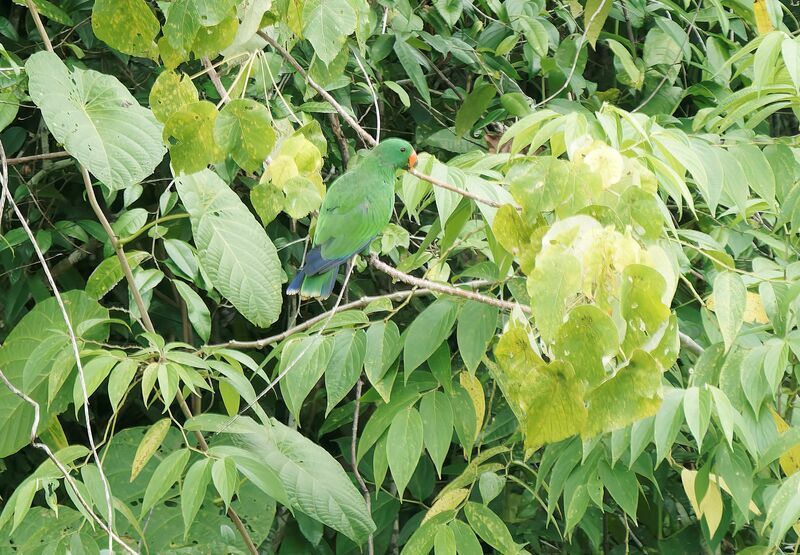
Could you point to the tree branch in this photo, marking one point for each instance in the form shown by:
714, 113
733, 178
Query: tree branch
362, 302
50, 455
39, 25
148, 325
212, 73
36, 157
359, 479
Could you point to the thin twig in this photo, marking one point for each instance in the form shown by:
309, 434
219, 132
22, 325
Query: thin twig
362, 302
344, 148
359, 479
369, 139
212, 73
439, 183
687, 342
36, 157
39, 25
70, 332
50, 455
374, 96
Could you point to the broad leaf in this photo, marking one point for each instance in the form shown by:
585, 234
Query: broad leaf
344, 366
97, 120
243, 130
303, 361
404, 446
127, 25
427, 332
327, 23
233, 248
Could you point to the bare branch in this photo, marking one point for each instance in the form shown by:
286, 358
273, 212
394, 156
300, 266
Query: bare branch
212, 73
50, 455
439, 183
39, 25
70, 332
36, 157
359, 479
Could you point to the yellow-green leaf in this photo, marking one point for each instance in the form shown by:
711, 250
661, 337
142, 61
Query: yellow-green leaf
149, 445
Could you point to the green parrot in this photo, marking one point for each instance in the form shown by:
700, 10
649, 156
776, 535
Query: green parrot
357, 206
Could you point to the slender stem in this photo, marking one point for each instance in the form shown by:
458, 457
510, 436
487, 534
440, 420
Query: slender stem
212, 73
39, 25
160, 220
369, 139
363, 301
148, 325
86, 506
36, 157
359, 479
462, 192
687, 342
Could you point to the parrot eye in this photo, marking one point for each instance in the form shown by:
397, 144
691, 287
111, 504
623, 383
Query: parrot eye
402, 149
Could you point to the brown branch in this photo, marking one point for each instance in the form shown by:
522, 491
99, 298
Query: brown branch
39, 25
35, 157
363, 301
359, 479
63, 469
344, 148
686, 342
462, 192
148, 325
443, 288
369, 139
212, 73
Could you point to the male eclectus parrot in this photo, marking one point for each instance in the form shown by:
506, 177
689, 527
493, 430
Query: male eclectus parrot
357, 206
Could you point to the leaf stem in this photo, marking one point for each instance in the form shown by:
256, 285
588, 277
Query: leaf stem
144, 228
353, 438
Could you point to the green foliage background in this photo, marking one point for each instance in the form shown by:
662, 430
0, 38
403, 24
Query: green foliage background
579, 333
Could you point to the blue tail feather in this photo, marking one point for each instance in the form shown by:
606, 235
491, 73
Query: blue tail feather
296, 284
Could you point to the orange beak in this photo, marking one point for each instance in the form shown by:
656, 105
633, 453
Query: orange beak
412, 160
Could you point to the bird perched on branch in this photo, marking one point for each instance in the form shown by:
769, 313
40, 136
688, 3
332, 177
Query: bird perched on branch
357, 207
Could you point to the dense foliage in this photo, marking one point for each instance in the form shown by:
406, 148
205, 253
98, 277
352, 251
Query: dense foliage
579, 333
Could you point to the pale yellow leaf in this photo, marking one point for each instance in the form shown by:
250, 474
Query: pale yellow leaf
475, 390
790, 460
149, 445
446, 502
710, 507
763, 21
754, 312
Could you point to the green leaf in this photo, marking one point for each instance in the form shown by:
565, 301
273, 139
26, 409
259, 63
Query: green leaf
126, 25
315, 483
407, 55
94, 372
784, 509
594, 17
427, 332
326, 24
587, 339
109, 273
730, 298
119, 381
170, 93
44, 320
345, 364
96, 119
225, 478
490, 485
383, 346
623, 486
631, 395
473, 107
233, 248
404, 446
303, 361
189, 132
466, 541
444, 543
697, 408
198, 312
554, 280
477, 324
437, 425
243, 130
149, 445
421, 541
193, 491
490, 528
450, 10
790, 50
165, 476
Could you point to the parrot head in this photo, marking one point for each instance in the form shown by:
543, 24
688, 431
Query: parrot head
397, 152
